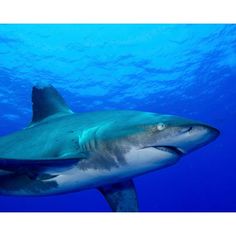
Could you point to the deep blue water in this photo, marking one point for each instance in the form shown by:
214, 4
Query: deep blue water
187, 70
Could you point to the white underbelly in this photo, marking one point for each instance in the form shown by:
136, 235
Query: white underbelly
76, 179
79, 177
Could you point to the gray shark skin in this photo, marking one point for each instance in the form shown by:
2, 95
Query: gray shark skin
62, 151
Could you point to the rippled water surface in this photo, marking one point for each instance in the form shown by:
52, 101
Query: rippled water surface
187, 70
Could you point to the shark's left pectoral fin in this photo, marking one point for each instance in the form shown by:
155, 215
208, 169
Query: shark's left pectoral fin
121, 197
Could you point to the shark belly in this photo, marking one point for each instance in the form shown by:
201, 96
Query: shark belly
81, 176
78, 178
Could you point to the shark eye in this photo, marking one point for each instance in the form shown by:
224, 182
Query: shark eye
161, 126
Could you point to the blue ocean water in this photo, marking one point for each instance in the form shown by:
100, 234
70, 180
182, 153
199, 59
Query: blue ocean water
186, 70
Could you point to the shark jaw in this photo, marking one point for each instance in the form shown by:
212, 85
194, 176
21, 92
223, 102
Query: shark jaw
169, 149
171, 146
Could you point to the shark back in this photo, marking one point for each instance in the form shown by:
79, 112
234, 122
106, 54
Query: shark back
40, 144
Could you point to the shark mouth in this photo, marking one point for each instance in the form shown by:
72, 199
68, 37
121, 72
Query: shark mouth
170, 149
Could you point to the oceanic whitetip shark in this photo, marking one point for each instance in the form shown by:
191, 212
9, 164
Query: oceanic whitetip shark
61, 151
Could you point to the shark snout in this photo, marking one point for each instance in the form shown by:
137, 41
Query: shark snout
194, 136
206, 132
201, 129
213, 132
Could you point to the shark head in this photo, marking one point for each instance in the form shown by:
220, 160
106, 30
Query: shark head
148, 141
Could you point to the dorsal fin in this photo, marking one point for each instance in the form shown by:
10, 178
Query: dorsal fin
46, 101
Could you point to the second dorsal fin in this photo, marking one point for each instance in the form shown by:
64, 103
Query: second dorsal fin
46, 101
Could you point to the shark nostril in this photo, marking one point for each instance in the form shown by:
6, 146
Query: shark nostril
186, 129
189, 129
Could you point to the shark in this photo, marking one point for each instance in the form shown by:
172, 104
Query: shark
61, 151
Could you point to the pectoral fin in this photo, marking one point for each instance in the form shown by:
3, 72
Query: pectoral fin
121, 197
